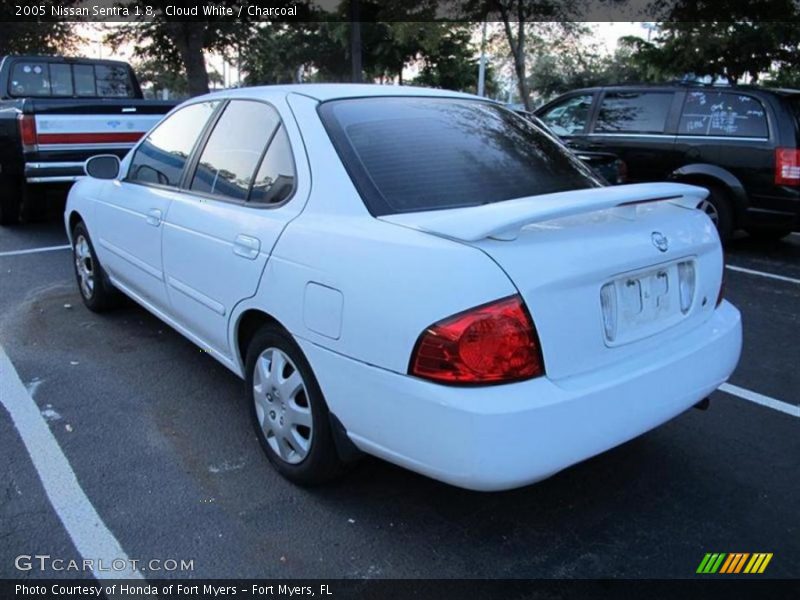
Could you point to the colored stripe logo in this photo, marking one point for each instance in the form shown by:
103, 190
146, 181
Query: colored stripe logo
734, 562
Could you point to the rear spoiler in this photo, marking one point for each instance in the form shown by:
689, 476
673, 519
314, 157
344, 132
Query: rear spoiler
503, 220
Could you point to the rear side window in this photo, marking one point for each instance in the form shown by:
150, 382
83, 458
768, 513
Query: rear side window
633, 112
67, 80
29, 79
113, 81
229, 160
274, 181
60, 80
570, 116
160, 159
417, 154
722, 114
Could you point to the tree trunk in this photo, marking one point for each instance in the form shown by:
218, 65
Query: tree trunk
517, 49
355, 41
189, 39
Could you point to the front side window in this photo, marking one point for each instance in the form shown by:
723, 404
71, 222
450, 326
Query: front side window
414, 154
570, 116
724, 114
229, 160
633, 112
161, 158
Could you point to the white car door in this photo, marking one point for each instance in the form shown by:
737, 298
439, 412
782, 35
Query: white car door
130, 218
219, 233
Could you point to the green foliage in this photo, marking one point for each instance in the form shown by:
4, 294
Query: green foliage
47, 37
276, 52
692, 39
449, 61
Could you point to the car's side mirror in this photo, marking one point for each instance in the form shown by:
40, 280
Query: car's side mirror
102, 166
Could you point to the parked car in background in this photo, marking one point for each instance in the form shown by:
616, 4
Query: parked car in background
56, 112
741, 143
416, 274
606, 164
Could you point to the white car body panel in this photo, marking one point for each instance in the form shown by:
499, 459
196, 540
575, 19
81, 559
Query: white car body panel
356, 292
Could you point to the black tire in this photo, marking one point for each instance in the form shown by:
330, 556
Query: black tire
321, 462
101, 295
768, 233
10, 202
719, 207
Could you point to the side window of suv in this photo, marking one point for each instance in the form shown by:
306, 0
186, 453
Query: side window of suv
228, 163
570, 116
724, 114
160, 159
633, 112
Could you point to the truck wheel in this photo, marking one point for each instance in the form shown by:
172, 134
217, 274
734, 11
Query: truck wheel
10, 201
719, 209
288, 410
97, 293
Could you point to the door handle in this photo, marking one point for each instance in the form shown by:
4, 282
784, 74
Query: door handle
154, 217
246, 246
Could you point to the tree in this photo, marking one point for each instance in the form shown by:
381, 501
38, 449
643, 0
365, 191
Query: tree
35, 37
449, 61
181, 43
516, 17
691, 39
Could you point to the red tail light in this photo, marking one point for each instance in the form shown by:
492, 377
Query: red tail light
787, 166
721, 293
27, 131
493, 343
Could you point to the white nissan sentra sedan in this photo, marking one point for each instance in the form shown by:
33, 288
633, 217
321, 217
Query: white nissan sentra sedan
416, 274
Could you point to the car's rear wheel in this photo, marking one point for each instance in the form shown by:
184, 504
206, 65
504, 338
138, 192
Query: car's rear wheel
288, 410
97, 293
719, 209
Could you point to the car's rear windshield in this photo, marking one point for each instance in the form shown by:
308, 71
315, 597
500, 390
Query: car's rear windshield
66, 80
417, 154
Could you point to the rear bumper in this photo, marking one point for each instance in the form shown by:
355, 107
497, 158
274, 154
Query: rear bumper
779, 210
65, 166
501, 437
53, 172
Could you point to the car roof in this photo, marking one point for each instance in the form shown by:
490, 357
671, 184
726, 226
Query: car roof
684, 86
339, 91
62, 59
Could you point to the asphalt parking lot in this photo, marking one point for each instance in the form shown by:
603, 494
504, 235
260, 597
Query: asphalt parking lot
166, 466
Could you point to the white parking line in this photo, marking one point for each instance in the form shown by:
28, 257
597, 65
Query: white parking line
87, 530
762, 274
36, 250
779, 405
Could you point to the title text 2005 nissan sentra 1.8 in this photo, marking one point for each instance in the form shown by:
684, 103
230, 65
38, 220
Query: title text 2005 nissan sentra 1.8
416, 274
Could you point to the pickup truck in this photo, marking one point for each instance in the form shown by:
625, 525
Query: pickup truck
56, 112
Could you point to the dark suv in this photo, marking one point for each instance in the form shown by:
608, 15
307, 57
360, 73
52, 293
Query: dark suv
739, 142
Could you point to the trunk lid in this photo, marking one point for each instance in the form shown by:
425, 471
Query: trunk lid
565, 251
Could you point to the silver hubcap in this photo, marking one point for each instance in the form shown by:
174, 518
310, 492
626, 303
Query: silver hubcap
711, 210
282, 406
84, 266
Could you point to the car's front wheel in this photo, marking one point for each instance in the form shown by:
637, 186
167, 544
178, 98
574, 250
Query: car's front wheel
97, 293
288, 409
